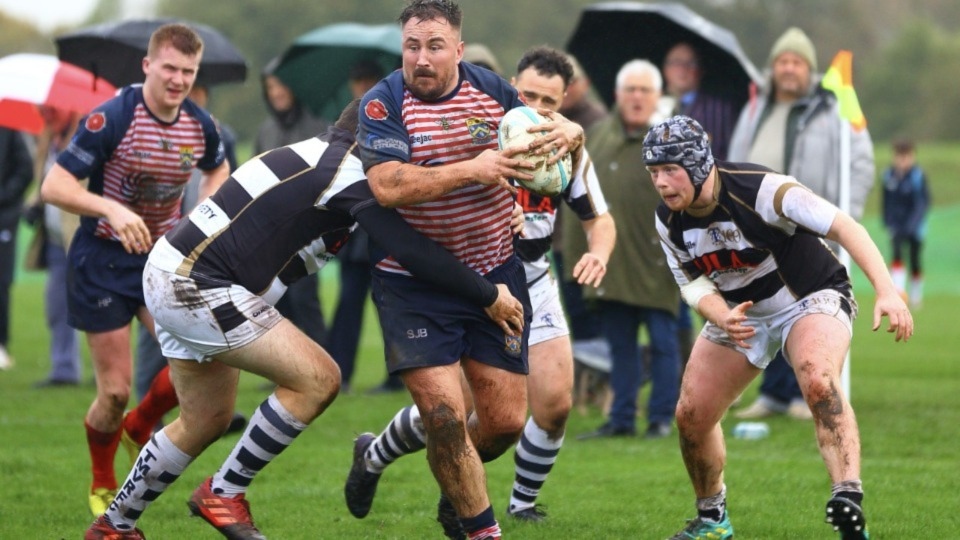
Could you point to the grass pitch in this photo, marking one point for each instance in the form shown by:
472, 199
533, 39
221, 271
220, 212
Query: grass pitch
906, 397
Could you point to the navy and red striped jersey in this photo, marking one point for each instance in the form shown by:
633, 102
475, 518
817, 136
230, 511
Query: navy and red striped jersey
134, 158
472, 222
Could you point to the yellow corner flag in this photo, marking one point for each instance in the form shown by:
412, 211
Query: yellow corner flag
839, 80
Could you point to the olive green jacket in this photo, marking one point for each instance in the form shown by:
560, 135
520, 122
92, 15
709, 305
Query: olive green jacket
637, 273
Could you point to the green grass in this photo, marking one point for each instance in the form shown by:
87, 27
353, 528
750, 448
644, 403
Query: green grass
905, 395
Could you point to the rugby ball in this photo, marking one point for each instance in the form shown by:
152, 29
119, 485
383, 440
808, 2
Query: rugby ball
547, 180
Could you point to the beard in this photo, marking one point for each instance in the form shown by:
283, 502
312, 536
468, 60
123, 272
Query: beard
426, 86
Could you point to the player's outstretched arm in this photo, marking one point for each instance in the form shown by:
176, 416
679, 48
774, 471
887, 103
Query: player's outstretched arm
855, 239
601, 237
429, 261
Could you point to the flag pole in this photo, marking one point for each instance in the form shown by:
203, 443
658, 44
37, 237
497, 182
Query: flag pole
839, 79
845, 164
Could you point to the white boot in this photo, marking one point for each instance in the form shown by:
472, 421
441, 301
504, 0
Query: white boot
916, 291
6, 361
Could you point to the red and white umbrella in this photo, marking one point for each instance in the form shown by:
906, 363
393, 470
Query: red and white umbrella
30, 80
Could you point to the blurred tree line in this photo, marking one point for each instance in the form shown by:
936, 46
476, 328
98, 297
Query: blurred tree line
906, 54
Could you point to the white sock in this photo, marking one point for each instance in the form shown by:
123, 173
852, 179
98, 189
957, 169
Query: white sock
403, 435
534, 458
899, 275
271, 430
159, 464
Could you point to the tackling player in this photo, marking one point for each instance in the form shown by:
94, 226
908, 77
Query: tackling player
211, 284
745, 246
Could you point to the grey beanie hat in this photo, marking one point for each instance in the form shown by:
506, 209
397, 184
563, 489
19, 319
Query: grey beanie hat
796, 41
680, 140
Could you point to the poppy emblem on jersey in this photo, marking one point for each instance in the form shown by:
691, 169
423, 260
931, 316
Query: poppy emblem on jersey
186, 158
512, 345
479, 130
376, 110
95, 122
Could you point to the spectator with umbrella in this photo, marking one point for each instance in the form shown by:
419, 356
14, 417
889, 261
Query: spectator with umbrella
287, 122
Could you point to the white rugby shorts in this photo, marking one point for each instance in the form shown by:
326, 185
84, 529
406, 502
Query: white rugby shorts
772, 330
196, 324
549, 321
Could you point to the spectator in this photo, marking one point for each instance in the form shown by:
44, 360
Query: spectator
638, 289
343, 338
589, 346
794, 127
682, 74
288, 122
16, 173
906, 199
54, 229
479, 54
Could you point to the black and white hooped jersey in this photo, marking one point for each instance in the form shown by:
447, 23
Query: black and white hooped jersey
583, 196
236, 236
747, 245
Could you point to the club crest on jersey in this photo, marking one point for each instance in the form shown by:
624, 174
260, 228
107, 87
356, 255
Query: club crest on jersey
186, 158
95, 122
512, 345
479, 130
722, 236
376, 110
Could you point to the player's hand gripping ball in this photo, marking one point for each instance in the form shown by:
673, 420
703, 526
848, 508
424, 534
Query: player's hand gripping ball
547, 180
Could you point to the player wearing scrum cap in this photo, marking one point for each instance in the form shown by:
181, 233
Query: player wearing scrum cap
744, 245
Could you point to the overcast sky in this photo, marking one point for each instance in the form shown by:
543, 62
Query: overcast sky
48, 14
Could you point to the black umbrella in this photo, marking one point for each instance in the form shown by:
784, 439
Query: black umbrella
115, 50
612, 33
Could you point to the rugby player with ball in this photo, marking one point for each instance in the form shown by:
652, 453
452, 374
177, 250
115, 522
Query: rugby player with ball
542, 78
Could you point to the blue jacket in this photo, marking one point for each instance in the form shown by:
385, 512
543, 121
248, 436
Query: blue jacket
905, 202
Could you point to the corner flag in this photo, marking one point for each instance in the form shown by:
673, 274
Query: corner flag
839, 79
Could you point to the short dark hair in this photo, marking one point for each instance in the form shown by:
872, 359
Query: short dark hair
903, 146
180, 36
548, 62
350, 117
428, 10
366, 70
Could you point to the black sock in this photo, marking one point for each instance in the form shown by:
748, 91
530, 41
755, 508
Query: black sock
712, 514
855, 496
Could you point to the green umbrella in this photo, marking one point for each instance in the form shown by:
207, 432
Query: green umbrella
316, 66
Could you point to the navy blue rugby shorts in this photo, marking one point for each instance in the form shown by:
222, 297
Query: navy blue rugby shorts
424, 327
104, 284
